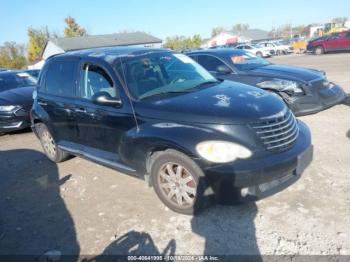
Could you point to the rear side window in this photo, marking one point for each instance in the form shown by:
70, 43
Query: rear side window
60, 78
209, 62
347, 34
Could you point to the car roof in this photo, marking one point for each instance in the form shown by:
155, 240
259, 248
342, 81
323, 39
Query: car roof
220, 52
110, 53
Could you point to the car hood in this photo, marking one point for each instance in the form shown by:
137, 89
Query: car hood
224, 103
17, 96
287, 72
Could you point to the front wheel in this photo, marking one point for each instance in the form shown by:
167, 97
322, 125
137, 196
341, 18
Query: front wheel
319, 50
259, 54
178, 182
49, 145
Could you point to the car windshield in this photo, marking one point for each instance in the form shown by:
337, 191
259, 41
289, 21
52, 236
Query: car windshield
157, 73
14, 80
247, 61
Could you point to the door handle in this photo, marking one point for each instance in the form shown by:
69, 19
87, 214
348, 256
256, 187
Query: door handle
80, 110
42, 103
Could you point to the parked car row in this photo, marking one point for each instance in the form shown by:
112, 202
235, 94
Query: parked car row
213, 126
260, 49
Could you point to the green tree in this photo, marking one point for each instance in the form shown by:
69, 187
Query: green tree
181, 42
12, 56
217, 30
36, 44
240, 27
72, 28
340, 20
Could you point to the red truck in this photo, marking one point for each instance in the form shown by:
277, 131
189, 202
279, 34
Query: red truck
339, 41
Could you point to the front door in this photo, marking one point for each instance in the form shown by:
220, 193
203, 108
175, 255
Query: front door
101, 128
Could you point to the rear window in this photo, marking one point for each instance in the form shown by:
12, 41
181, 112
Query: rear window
60, 78
15, 80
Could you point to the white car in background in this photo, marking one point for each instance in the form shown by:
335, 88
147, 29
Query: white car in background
255, 50
278, 47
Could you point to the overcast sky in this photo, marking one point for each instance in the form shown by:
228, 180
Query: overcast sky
161, 18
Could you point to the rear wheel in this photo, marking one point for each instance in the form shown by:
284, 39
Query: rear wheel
49, 145
178, 182
319, 50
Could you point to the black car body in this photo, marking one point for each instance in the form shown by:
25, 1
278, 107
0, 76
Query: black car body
305, 91
239, 141
16, 89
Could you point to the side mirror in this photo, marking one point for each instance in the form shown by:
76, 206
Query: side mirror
105, 99
223, 70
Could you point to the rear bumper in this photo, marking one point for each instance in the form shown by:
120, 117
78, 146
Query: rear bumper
261, 177
317, 101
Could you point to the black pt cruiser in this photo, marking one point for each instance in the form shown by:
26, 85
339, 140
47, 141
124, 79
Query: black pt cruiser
160, 116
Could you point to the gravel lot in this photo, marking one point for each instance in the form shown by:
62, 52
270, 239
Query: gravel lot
78, 207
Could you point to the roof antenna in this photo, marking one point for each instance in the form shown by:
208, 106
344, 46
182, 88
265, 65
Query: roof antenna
126, 88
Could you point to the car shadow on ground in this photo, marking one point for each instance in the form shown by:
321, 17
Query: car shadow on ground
34, 219
347, 100
134, 243
232, 236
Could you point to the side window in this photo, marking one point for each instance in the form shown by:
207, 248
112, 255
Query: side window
94, 79
347, 34
209, 62
247, 47
334, 36
60, 78
239, 47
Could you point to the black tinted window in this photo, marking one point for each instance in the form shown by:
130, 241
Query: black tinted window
94, 79
15, 80
60, 78
209, 62
347, 34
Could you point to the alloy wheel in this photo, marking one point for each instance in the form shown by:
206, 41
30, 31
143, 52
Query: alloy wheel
177, 185
49, 144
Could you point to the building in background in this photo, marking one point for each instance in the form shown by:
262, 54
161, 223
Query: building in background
232, 37
64, 44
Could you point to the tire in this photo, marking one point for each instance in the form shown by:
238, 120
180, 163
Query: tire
259, 54
278, 52
319, 50
49, 145
178, 182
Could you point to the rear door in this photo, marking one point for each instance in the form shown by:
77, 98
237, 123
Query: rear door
56, 97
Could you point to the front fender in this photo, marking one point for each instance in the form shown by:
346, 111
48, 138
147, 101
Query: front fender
137, 145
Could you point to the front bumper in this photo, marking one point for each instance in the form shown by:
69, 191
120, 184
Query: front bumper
261, 176
317, 100
11, 122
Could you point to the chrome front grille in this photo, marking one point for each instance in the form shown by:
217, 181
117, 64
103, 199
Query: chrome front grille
278, 133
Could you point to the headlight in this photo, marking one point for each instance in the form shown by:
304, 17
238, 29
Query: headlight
222, 151
7, 108
282, 85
